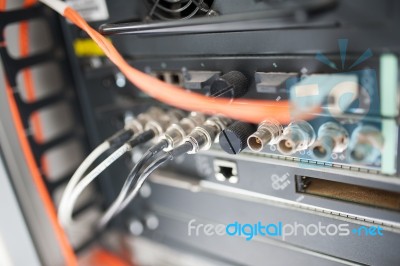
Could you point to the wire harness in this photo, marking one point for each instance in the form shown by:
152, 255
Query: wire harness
156, 122
135, 126
200, 138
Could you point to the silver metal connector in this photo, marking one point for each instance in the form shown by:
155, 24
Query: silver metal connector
202, 137
177, 132
160, 124
297, 136
332, 137
366, 144
268, 132
137, 124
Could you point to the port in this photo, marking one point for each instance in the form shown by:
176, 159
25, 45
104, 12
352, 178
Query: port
348, 192
332, 137
226, 171
365, 144
255, 143
160, 76
297, 136
174, 78
268, 132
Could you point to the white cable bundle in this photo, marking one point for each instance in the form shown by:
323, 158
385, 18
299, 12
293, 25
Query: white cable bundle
69, 200
96, 153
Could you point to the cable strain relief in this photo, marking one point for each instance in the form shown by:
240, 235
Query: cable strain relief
120, 138
142, 138
181, 149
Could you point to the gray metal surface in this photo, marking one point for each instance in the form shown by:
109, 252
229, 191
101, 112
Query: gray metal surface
208, 203
16, 245
256, 174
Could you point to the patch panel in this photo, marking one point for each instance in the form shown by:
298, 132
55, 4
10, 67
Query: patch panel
277, 77
352, 145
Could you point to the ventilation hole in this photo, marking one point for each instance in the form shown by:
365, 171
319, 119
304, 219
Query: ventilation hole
63, 159
40, 81
51, 122
39, 38
160, 76
176, 79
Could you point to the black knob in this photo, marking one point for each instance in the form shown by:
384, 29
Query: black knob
233, 139
231, 85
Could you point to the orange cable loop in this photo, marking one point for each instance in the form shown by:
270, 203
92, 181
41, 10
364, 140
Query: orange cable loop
253, 111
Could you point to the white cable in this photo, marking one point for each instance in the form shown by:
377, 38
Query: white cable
65, 214
56, 5
80, 172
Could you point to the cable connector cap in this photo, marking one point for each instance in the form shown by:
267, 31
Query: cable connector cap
232, 85
233, 139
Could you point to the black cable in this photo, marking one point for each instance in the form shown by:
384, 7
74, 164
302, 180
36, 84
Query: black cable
131, 179
142, 138
143, 161
116, 208
182, 149
120, 138
134, 178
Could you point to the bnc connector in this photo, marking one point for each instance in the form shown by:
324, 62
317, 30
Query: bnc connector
160, 124
268, 132
366, 144
137, 124
177, 132
297, 136
202, 137
332, 137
